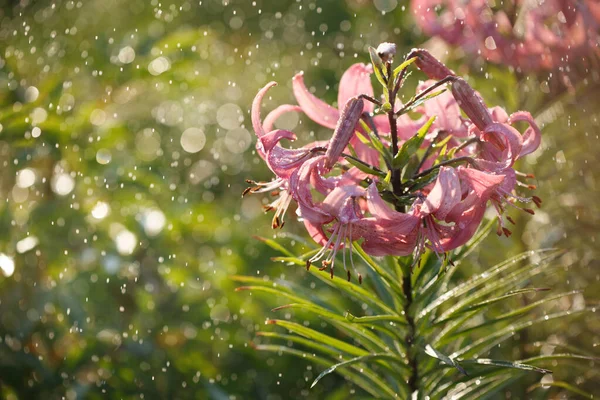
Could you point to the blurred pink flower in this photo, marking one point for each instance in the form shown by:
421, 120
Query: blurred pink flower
526, 34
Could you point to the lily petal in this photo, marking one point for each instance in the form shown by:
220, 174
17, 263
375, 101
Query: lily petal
316, 109
276, 113
532, 136
256, 104
354, 82
446, 194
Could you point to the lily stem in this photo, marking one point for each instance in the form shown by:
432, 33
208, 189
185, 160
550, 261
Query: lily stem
410, 335
396, 182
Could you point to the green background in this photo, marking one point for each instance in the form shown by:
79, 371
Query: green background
94, 99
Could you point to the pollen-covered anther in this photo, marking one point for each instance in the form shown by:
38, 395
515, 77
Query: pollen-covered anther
537, 201
506, 231
276, 223
529, 210
349, 275
509, 218
308, 263
324, 265
360, 279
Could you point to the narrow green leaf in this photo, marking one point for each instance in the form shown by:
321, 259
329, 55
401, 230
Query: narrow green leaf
364, 168
404, 65
354, 361
430, 351
377, 66
488, 303
412, 104
275, 245
389, 281
411, 145
486, 277
366, 337
485, 343
562, 385
369, 385
320, 337
375, 318
505, 364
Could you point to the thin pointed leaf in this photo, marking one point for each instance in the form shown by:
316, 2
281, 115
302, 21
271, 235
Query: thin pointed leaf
493, 339
320, 337
489, 302
355, 361
275, 245
562, 385
430, 351
404, 65
482, 278
505, 364
356, 378
411, 145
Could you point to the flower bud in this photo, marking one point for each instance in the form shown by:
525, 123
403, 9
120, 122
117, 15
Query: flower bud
471, 103
386, 51
430, 65
344, 130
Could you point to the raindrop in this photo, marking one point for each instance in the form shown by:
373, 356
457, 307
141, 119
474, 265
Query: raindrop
31, 94
63, 184
7, 265
25, 178
126, 242
126, 55
100, 210
230, 116
26, 244
385, 5
237, 141
103, 156
193, 140
153, 221
159, 65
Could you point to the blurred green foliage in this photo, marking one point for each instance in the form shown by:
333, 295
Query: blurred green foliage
124, 145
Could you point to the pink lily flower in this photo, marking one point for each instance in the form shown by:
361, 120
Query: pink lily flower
355, 81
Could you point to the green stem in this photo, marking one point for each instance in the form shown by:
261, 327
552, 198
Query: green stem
413, 380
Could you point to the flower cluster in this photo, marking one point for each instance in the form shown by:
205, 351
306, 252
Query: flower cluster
394, 183
531, 35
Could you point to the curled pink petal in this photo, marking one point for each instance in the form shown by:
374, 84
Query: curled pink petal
506, 141
532, 136
446, 194
354, 82
256, 122
316, 109
271, 139
276, 113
